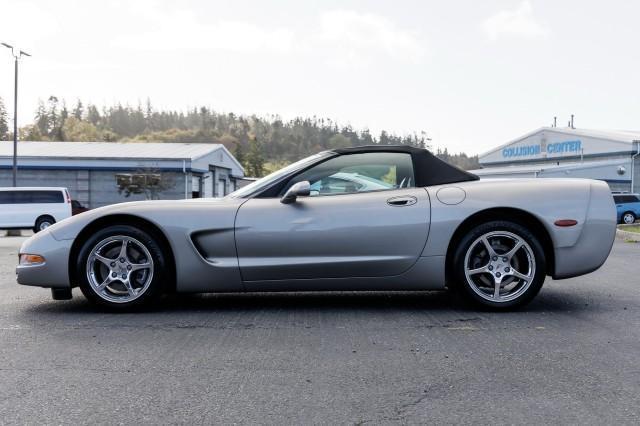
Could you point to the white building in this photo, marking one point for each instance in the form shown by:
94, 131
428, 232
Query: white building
95, 172
612, 156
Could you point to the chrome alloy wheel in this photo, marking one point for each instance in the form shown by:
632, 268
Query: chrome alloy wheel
628, 218
499, 266
119, 269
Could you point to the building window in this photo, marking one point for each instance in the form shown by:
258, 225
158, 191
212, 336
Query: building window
150, 184
136, 183
222, 187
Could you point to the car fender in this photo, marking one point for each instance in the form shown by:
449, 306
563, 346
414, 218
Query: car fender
182, 222
588, 202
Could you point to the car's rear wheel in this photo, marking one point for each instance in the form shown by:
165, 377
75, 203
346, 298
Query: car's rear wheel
628, 218
500, 265
43, 222
121, 267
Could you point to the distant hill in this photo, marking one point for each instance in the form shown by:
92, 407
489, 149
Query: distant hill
259, 143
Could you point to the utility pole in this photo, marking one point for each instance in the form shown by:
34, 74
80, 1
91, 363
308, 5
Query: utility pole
16, 57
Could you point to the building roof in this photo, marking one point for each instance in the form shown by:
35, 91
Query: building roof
124, 150
627, 136
198, 155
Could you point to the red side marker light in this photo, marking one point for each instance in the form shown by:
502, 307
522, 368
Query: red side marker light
565, 222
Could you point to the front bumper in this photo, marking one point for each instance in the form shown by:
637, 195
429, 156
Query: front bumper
54, 272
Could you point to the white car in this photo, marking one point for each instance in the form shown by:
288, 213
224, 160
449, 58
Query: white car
34, 208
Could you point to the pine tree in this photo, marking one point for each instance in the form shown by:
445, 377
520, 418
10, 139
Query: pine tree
4, 122
93, 115
42, 119
52, 118
384, 138
257, 142
78, 111
238, 153
64, 114
149, 116
255, 159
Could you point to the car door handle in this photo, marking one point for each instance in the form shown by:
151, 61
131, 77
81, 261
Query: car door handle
402, 200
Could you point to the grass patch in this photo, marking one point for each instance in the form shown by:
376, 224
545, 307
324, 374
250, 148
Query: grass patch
633, 228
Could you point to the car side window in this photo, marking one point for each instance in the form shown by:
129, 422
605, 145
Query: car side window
364, 172
335, 185
23, 197
6, 197
625, 199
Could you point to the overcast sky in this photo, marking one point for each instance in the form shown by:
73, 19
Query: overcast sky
471, 74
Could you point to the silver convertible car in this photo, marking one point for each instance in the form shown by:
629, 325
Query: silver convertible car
365, 218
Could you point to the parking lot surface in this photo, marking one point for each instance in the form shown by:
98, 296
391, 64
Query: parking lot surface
572, 356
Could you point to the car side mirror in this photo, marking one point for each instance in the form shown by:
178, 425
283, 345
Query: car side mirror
300, 189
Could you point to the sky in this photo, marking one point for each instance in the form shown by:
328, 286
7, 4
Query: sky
471, 74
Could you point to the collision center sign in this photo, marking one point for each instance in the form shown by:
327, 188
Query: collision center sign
572, 147
552, 145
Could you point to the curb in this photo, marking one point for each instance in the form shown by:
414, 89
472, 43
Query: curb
626, 235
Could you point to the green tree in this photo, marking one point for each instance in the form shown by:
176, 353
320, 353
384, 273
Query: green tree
461, 160
338, 141
55, 119
384, 138
255, 159
64, 114
260, 143
75, 130
4, 122
107, 135
31, 133
78, 111
42, 119
366, 137
238, 152
93, 115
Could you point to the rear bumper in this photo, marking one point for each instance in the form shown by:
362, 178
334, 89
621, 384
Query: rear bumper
596, 239
54, 272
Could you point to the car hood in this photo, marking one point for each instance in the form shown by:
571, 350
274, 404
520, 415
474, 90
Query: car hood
160, 212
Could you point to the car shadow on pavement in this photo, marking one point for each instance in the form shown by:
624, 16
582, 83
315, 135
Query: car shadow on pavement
405, 302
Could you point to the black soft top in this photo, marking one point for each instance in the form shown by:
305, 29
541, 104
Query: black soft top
429, 169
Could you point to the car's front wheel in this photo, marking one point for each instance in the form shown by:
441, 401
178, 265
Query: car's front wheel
500, 265
120, 267
628, 218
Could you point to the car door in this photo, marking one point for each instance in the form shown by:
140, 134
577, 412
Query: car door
341, 232
617, 199
636, 205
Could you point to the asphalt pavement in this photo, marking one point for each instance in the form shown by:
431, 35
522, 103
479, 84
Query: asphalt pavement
572, 356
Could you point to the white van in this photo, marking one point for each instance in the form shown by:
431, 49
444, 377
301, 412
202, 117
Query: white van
33, 207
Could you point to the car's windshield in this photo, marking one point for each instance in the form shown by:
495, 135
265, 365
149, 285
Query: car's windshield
270, 178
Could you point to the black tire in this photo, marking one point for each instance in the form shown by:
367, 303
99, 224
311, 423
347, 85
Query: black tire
159, 268
496, 229
42, 223
630, 214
